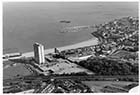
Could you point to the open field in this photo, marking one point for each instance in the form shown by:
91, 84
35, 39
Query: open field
15, 70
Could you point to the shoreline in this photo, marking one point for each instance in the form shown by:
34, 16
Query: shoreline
92, 41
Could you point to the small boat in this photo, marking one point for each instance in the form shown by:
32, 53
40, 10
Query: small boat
65, 21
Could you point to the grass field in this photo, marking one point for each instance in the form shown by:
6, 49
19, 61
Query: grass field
11, 70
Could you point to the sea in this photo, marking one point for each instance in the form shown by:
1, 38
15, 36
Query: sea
25, 23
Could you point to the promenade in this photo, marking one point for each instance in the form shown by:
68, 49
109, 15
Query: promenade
93, 41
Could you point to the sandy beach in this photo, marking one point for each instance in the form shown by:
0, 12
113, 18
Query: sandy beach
93, 41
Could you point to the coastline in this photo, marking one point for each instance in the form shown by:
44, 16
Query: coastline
93, 41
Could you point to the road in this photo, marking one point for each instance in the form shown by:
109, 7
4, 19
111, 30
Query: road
46, 78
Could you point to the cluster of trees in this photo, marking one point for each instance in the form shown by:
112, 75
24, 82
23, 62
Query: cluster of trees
105, 66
